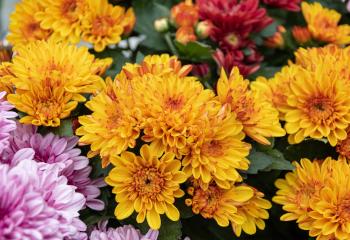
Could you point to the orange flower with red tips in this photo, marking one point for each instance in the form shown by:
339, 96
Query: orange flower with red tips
184, 14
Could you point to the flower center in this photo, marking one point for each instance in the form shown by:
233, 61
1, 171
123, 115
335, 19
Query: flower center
101, 25
319, 109
69, 6
213, 149
148, 182
206, 202
174, 103
343, 211
232, 39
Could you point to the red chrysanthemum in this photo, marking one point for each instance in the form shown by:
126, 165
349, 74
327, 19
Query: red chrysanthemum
248, 61
290, 5
233, 20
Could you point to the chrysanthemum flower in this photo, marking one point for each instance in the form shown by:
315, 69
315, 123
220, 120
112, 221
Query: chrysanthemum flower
38, 204
330, 213
323, 24
277, 88
113, 125
63, 17
219, 204
6, 124
126, 232
319, 105
301, 34
291, 5
256, 113
220, 154
147, 184
173, 111
233, 19
129, 21
50, 79
316, 194
254, 212
103, 24
185, 34
58, 151
184, 14
23, 26
241, 206
156, 65
299, 187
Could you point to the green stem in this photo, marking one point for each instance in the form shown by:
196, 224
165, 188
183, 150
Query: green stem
170, 44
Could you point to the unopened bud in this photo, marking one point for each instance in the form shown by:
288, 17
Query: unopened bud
203, 29
161, 25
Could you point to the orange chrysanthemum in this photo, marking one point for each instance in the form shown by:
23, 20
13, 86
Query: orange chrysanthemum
23, 26
240, 206
256, 113
323, 24
301, 34
185, 14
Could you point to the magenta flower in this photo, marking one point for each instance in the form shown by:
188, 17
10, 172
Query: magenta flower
61, 152
6, 125
36, 203
126, 232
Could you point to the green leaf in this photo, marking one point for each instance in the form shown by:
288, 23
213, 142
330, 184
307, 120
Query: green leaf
194, 51
147, 12
139, 57
65, 129
278, 162
170, 230
269, 30
258, 161
185, 211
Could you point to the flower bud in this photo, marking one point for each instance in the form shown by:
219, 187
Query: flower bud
161, 25
203, 29
301, 34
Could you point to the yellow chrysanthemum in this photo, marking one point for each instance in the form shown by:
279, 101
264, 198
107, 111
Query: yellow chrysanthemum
113, 125
101, 65
45, 104
323, 24
254, 212
157, 65
102, 24
277, 88
256, 113
61, 71
240, 206
316, 194
23, 26
331, 210
147, 185
173, 110
298, 188
220, 154
129, 21
63, 17
319, 105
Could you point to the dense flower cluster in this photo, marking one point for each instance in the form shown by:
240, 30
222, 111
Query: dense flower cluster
93, 21
192, 134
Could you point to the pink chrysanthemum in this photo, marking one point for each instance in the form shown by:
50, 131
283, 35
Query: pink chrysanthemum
58, 151
126, 232
36, 203
290, 5
6, 125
